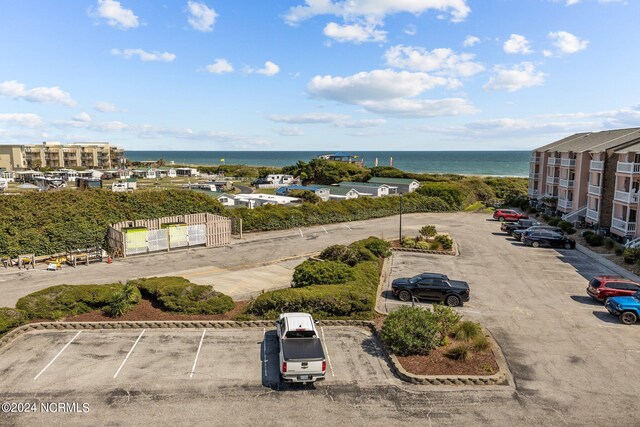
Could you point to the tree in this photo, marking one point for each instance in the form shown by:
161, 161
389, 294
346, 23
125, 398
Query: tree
307, 196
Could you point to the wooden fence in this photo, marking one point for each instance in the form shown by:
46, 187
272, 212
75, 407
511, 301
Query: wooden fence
150, 235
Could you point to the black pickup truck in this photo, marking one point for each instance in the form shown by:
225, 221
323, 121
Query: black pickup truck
431, 286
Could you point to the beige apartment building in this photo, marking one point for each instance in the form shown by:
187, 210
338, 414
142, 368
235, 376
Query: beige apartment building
590, 177
99, 155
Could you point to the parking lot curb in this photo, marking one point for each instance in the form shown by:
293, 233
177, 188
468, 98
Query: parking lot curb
385, 272
607, 263
502, 377
189, 324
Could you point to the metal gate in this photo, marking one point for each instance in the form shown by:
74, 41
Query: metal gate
136, 241
178, 236
157, 240
197, 234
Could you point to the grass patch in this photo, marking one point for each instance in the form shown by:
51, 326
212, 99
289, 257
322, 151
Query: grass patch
11, 318
477, 206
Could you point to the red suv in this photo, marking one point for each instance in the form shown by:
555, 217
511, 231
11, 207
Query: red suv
603, 287
509, 215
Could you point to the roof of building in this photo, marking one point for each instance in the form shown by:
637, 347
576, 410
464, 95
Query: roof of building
214, 194
633, 148
302, 187
338, 191
362, 184
594, 141
384, 180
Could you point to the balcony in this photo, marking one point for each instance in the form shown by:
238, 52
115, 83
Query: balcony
593, 215
533, 192
534, 176
568, 163
624, 226
553, 161
596, 165
630, 168
566, 183
595, 190
565, 204
625, 197
553, 180
535, 159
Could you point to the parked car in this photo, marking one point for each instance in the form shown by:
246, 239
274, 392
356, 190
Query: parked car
433, 287
522, 224
603, 287
519, 233
260, 181
301, 355
548, 239
626, 308
508, 215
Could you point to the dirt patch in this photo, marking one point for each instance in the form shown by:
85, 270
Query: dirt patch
145, 310
436, 363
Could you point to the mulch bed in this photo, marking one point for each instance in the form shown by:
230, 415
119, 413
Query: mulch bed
145, 310
436, 363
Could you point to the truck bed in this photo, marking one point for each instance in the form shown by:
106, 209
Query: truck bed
302, 349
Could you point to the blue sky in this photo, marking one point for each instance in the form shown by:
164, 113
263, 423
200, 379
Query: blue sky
317, 74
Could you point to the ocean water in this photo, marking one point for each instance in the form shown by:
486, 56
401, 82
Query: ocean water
496, 163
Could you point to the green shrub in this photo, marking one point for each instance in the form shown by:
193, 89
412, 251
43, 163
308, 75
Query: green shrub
565, 226
408, 242
378, 247
428, 231
354, 299
467, 330
571, 231
306, 196
69, 300
446, 318
595, 240
554, 222
619, 250
424, 245
321, 273
545, 217
122, 301
459, 352
631, 255
180, 295
341, 253
609, 243
409, 331
587, 233
11, 318
435, 246
481, 343
445, 241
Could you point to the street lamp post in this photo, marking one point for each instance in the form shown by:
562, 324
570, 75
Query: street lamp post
400, 231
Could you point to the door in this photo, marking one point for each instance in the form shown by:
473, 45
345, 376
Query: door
424, 289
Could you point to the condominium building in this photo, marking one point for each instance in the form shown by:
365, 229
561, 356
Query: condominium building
100, 155
590, 177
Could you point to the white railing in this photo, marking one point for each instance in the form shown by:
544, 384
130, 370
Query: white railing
553, 161
533, 192
593, 215
565, 204
568, 162
594, 189
552, 180
623, 196
628, 167
624, 226
566, 183
534, 176
535, 159
597, 165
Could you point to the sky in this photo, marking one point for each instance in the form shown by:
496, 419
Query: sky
317, 74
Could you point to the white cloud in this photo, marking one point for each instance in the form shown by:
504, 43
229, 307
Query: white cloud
269, 69
375, 10
144, 55
106, 107
220, 66
21, 119
567, 43
82, 117
441, 61
515, 78
354, 33
201, 17
43, 95
289, 132
337, 120
389, 92
547, 53
517, 44
470, 41
115, 14
621, 118
411, 30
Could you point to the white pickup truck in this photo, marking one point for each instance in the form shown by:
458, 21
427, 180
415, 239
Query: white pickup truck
302, 358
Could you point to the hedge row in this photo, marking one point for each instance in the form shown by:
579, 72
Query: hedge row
56, 221
180, 295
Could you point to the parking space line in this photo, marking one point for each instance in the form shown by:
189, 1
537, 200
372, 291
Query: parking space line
347, 226
57, 355
325, 230
193, 369
300, 229
129, 354
326, 350
264, 351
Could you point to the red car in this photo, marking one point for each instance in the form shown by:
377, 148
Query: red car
603, 287
509, 215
